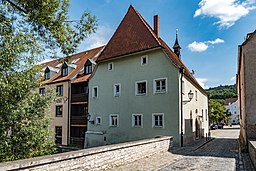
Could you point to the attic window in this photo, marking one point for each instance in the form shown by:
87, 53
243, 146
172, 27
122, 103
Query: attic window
47, 74
87, 67
110, 66
64, 70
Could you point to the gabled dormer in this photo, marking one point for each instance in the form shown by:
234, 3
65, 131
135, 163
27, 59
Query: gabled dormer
87, 67
64, 69
49, 72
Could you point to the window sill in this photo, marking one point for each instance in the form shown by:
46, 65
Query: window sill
160, 92
144, 94
158, 127
137, 126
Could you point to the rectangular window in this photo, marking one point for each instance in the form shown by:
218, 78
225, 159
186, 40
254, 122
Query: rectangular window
59, 90
141, 88
183, 87
64, 71
88, 69
144, 60
206, 114
137, 120
203, 114
58, 135
98, 120
158, 120
42, 91
160, 85
95, 92
117, 90
113, 120
47, 75
59, 111
110, 66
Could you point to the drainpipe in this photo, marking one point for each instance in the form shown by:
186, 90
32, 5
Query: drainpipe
69, 102
181, 107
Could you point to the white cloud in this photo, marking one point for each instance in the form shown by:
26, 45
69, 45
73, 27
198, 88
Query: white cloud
203, 46
198, 46
226, 11
202, 82
101, 37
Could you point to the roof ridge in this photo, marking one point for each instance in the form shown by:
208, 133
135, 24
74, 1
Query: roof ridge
147, 25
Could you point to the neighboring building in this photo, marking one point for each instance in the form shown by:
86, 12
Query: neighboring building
246, 81
136, 87
68, 76
231, 104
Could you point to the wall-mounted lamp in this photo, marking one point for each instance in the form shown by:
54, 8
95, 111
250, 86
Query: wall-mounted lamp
190, 97
88, 117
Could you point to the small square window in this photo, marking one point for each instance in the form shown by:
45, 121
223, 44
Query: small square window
144, 60
158, 120
110, 66
113, 120
42, 91
141, 88
160, 85
59, 111
117, 90
95, 92
137, 120
98, 120
59, 90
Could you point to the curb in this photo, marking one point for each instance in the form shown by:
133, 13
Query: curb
203, 144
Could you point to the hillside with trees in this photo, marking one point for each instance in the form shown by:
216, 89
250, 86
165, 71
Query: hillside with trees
217, 95
222, 92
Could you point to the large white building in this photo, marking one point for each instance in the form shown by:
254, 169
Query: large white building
232, 106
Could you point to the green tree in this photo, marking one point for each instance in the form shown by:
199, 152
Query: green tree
28, 31
217, 111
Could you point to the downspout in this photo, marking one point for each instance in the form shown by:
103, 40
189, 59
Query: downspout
181, 107
69, 101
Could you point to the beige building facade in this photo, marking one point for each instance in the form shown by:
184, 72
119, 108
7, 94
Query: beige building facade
246, 81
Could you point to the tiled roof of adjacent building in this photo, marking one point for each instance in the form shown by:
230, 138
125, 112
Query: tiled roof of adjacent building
230, 101
77, 74
134, 35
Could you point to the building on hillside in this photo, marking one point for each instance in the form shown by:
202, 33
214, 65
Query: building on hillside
68, 76
231, 104
246, 80
141, 89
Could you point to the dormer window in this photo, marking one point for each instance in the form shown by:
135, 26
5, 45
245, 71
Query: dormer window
64, 70
87, 67
47, 74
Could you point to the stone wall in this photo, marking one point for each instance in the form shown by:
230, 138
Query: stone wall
252, 151
99, 158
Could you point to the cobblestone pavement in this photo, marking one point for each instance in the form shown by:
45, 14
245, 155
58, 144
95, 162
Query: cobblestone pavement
219, 154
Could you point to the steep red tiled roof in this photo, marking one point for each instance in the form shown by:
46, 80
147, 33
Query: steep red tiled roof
230, 101
132, 35
83, 56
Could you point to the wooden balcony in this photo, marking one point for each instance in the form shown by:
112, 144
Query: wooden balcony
79, 98
78, 120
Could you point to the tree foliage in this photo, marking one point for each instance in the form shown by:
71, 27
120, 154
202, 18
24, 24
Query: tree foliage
222, 92
217, 111
29, 29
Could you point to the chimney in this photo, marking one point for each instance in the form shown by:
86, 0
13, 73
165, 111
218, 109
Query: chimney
156, 25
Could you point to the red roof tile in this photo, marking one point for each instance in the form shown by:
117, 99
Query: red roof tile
132, 35
83, 56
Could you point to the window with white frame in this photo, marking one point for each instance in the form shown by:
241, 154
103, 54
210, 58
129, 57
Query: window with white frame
98, 120
160, 85
95, 92
144, 60
158, 120
111, 66
206, 114
141, 87
137, 120
117, 90
183, 87
113, 120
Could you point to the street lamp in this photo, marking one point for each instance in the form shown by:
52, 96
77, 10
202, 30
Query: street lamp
88, 117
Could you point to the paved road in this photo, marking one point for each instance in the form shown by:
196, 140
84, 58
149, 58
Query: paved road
220, 154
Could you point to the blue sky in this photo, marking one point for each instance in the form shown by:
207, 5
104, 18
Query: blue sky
209, 30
